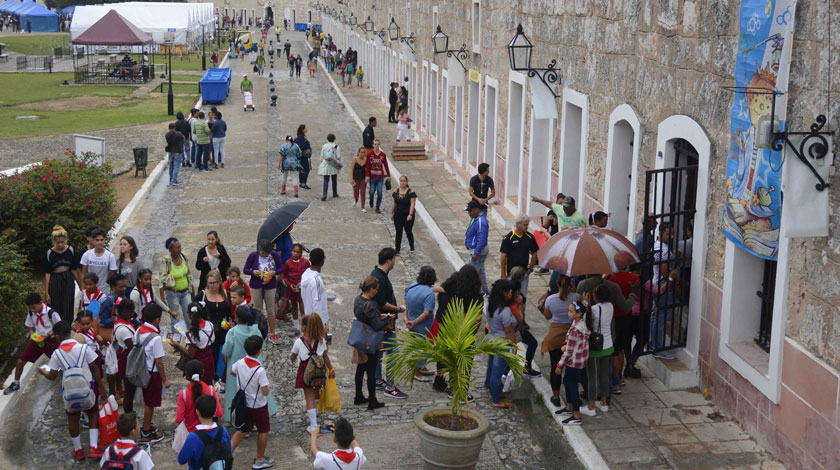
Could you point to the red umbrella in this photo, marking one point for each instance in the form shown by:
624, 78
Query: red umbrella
589, 250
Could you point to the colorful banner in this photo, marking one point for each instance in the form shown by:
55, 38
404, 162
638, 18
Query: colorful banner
752, 214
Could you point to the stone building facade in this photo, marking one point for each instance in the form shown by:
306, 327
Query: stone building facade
642, 88
297, 11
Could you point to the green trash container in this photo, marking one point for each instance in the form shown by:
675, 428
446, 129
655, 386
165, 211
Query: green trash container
141, 159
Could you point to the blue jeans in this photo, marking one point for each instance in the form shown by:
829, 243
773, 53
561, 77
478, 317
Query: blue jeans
182, 301
187, 151
479, 266
496, 367
657, 320
376, 186
175, 160
571, 378
389, 380
523, 286
334, 184
201, 156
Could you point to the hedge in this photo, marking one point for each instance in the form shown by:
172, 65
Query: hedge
67, 191
14, 285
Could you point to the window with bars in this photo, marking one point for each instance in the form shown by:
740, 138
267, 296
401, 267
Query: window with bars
767, 295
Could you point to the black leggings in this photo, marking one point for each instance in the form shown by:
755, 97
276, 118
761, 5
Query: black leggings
556, 379
401, 223
531, 343
368, 367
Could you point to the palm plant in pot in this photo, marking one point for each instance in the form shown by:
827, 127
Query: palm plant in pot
451, 437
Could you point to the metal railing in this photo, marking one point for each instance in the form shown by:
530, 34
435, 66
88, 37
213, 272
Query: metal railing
102, 74
35, 62
767, 295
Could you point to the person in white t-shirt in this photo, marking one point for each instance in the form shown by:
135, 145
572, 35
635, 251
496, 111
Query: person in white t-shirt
99, 261
251, 377
312, 289
348, 456
68, 355
129, 429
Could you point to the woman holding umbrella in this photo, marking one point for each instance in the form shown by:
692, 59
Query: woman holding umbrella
265, 267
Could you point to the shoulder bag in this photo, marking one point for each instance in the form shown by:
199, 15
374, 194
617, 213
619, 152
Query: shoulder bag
363, 337
596, 339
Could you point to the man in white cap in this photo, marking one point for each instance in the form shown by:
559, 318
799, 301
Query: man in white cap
246, 85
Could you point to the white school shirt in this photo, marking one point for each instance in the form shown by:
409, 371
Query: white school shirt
71, 351
141, 460
83, 299
42, 321
327, 461
100, 265
314, 294
122, 332
302, 350
206, 336
244, 369
154, 349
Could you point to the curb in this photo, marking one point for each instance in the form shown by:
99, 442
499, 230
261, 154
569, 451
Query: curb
577, 438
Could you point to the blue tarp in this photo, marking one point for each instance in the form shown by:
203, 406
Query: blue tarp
4, 7
215, 85
18, 6
40, 19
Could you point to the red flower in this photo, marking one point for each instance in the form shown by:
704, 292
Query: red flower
42, 215
37, 196
81, 165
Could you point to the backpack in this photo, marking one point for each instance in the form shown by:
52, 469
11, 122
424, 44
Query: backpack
114, 461
135, 364
239, 404
315, 373
76, 389
216, 454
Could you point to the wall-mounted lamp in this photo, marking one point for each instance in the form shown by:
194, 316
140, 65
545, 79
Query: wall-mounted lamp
520, 50
440, 41
394, 34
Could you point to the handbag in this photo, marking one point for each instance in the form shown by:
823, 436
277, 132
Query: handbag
596, 340
388, 184
363, 337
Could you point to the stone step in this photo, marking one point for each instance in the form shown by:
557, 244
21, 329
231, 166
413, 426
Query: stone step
408, 151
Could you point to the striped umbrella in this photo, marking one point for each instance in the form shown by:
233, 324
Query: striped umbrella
589, 250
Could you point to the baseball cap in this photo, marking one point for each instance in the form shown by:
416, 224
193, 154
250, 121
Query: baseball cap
473, 204
244, 74
569, 201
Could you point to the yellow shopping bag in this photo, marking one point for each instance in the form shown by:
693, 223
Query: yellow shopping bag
330, 399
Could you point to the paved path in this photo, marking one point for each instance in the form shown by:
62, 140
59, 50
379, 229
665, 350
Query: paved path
234, 201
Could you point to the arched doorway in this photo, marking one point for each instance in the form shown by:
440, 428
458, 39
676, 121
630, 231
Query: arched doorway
269, 15
623, 145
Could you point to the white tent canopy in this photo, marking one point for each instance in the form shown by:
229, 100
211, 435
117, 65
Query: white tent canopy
154, 18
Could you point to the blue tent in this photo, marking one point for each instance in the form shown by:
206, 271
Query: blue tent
18, 6
68, 11
4, 7
39, 18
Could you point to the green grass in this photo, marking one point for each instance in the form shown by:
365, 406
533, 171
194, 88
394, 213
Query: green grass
191, 62
179, 88
182, 77
38, 44
131, 113
19, 88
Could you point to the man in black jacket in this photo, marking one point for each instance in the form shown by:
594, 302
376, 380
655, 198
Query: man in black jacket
368, 135
183, 126
392, 101
174, 149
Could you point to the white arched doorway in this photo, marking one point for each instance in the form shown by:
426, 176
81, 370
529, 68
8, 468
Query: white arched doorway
620, 190
671, 134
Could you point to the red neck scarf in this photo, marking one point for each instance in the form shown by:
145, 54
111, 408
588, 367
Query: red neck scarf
146, 296
345, 456
67, 345
251, 363
40, 316
147, 328
91, 297
89, 333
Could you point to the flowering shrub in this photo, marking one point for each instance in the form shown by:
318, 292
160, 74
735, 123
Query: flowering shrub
14, 285
67, 191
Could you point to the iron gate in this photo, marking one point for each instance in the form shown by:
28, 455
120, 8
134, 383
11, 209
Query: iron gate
666, 251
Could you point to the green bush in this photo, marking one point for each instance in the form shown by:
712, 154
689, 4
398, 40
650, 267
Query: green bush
67, 191
14, 285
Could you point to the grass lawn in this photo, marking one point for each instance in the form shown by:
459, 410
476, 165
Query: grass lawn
38, 44
179, 88
191, 62
131, 113
19, 88
182, 77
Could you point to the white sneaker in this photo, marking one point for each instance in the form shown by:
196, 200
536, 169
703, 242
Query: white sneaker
266, 462
603, 408
584, 410
364, 210
355, 204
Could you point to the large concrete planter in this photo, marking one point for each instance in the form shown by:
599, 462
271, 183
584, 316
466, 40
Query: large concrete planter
442, 449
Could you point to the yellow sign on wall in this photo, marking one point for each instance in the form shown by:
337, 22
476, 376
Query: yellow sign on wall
474, 75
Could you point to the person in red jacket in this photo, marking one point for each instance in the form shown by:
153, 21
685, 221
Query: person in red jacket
376, 170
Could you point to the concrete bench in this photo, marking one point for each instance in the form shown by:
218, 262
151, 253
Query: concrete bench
4, 57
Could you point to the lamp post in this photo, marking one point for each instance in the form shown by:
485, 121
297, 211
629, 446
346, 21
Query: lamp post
440, 42
203, 53
170, 97
520, 50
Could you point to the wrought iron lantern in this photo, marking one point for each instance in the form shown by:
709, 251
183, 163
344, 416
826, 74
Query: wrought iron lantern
440, 42
394, 34
520, 51
352, 20
368, 24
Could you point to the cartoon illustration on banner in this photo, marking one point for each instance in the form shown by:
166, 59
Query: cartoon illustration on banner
753, 175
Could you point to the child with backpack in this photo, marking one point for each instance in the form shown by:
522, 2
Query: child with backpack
209, 444
200, 338
124, 337
81, 387
40, 320
125, 451
315, 365
185, 415
234, 350
150, 351
250, 404
348, 456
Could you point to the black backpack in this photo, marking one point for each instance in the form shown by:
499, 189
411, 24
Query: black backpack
114, 461
216, 454
239, 404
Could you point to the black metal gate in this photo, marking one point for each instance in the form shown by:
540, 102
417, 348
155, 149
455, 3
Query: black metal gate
666, 251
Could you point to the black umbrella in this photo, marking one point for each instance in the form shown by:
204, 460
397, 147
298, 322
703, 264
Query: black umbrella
280, 220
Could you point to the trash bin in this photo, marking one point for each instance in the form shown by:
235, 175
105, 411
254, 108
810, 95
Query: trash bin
141, 159
215, 85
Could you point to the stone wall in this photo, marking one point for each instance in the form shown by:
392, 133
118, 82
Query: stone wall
663, 58
259, 8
